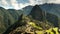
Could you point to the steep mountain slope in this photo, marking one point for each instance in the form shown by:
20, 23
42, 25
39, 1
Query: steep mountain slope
27, 9
36, 20
3, 19
51, 9
8, 17
38, 14
14, 13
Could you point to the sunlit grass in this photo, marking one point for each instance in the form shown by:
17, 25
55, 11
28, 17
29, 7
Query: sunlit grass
49, 31
34, 25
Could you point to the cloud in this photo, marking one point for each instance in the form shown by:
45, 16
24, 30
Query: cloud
14, 4
34, 2
4, 4
18, 5
22, 3
55, 1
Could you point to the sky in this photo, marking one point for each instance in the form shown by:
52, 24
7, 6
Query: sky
19, 4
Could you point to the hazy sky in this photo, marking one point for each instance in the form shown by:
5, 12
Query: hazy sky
18, 4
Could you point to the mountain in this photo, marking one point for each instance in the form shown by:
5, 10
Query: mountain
36, 20
8, 17
37, 13
27, 9
47, 12
17, 24
2, 17
49, 8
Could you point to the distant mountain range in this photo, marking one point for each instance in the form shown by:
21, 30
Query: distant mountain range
9, 16
50, 8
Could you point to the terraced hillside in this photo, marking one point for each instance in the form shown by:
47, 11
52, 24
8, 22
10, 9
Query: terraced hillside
35, 22
53, 9
38, 14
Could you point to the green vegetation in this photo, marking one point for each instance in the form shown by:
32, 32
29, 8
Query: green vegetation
8, 17
36, 22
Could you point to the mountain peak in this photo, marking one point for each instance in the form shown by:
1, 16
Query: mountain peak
36, 13
36, 7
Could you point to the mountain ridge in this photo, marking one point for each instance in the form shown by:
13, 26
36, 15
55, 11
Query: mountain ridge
10, 16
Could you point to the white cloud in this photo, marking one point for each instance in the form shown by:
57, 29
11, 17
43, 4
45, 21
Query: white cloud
4, 2
55, 1
23, 5
16, 5
34, 2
